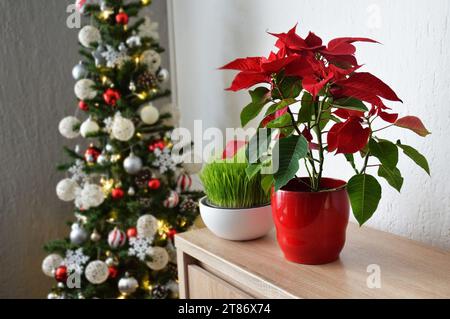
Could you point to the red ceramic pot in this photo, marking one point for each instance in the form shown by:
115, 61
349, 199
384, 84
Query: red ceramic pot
311, 226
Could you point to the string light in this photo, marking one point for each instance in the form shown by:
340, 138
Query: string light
137, 60
107, 185
146, 2
142, 95
122, 296
163, 229
115, 158
104, 15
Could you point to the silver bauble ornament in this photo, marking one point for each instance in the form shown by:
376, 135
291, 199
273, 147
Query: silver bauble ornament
131, 191
103, 159
95, 236
109, 148
53, 295
132, 164
80, 71
78, 235
128, 284
110, 261
163, 76
132, 86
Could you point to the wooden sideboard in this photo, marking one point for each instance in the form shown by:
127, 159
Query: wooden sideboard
373, 264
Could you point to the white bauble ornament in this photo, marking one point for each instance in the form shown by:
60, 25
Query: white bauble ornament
67, 125
152, 59
128, 284
84, 89
147, 226
97, 272
172, 200
160, 258
116, 238
132, 164
89, 127
89, 35
78, 235
149, 114
92, 196
67, 190
50, 263
122, 129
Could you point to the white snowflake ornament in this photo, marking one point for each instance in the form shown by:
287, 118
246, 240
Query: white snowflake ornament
164, 160
115, 58
139, 247
75, 261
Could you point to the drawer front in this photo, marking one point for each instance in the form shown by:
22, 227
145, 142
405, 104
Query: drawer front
204, 285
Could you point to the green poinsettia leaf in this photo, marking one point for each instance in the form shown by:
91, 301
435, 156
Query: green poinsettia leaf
307, 111
350, 104
290, 150
392, 176
413, 154
260, 97
385, 151
281, 122
364, 192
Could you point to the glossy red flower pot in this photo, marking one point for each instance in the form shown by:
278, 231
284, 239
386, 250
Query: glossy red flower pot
311, 226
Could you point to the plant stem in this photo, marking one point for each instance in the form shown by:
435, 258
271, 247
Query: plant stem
320, 142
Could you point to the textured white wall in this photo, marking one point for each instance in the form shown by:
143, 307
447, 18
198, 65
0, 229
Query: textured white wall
414, 60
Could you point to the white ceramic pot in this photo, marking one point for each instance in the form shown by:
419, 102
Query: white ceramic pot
237, 223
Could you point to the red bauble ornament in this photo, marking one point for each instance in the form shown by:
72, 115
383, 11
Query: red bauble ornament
113, 272
111, 97
154, 184
91, 154
83, 106
61, 274
117, 193
122, 18
156, 145
171, 233
132, 232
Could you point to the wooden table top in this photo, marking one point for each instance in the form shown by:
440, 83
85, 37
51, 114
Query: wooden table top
408, 269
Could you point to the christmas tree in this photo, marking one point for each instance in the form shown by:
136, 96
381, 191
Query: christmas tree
131, 196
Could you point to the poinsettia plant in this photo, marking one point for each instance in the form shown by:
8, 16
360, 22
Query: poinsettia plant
340, 111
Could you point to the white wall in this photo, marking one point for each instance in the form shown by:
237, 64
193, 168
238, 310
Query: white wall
414, 59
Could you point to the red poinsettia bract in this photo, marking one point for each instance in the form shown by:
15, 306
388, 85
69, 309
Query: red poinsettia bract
324, 70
